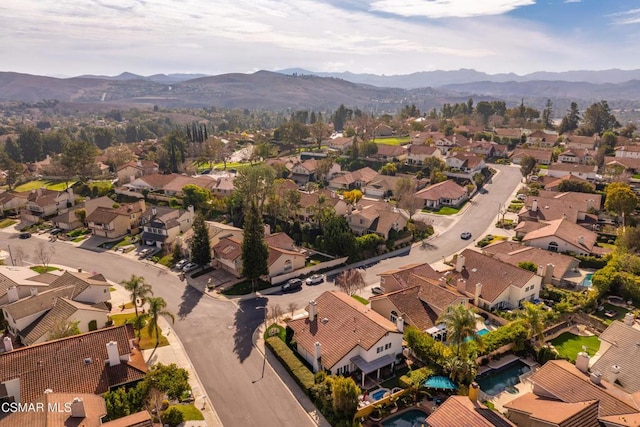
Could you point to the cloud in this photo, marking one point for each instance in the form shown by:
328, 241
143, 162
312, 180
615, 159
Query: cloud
572, 1
627, 17
448, 8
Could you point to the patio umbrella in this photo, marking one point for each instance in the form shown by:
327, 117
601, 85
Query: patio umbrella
440, 383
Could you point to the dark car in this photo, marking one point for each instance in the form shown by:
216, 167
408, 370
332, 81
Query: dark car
465, 235
291, 285
377, 290
24, 235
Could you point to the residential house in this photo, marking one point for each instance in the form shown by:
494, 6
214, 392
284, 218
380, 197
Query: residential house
304, 171
94, 362
500, 150
483, 148
174, 187
135, 169
543, 157
553, 267
283, 256
223, 186
216, 231
162, 225
582, 171
549, 205
466, 411
383, 186
492, 283
382, 131
342, 336
542, 138
116, 222
560, 235
377, 218
71, 297
153, 182
446, 193
626, 164
581, 142
42, 203
340, 143
553, 184
628, 151
577, 155
12, 201
617, 358
465, 163
447, 143
400, 278
390, 153
509, 133
69, 220
565, 395
419, 305
311, 202
353, 180
417, 154
21, 282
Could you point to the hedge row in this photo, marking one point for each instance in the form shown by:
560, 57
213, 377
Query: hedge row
301, 374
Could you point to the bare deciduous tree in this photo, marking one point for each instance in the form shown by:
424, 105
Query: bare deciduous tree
44, 253
292, 307
19, 256
350, 281
274, 313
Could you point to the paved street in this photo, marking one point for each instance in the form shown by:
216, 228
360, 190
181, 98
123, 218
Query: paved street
215, 333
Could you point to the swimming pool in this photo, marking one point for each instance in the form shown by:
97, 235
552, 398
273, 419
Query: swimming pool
496, 381
586, 282
379, 394
481, 332
411, 418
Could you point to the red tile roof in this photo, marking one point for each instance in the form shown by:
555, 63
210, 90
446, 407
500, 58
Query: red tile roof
555, 412
461, 411
446, 189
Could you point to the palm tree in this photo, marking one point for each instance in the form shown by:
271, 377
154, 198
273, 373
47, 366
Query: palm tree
533, 319
460, 323
156, 309
138, 288
139, 322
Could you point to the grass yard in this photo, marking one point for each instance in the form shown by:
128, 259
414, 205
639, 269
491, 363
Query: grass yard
39, 183
245, 287
42, 269
618, 313
282, 333
445, 210
146, 341
392, 141
360, 299
7, 222
189, 412
569, 345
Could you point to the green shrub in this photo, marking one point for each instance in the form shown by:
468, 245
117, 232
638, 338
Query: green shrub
592, 261
415, 377
301, 374
173, 417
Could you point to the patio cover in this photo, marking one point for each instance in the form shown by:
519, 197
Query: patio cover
440, 382
368, 367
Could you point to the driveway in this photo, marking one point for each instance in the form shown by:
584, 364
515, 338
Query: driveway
215, 333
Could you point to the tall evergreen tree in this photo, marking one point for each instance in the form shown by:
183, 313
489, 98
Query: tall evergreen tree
254, 249
31, 145
13, 150
200, 245
547, 114
571, 120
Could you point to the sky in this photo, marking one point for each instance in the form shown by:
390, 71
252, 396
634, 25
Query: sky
107, 37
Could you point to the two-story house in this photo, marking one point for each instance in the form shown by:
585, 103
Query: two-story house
304, 171
353, 180
10, 201
118, 221
542, 138
465, 163
342, 336
417, 154
135, 169
577, 155
377, 218
162, 225
42, 203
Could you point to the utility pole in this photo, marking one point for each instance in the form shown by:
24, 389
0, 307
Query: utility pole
10, 255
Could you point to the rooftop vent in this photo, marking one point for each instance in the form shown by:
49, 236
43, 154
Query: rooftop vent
475, 270
87, 360
324, 320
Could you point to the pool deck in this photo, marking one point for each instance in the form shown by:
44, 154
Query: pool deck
505, 397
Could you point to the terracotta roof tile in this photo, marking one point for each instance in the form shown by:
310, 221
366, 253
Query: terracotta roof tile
446, 189
556, 412
565, 230
94, 407
139, 419
623, 352
461, 411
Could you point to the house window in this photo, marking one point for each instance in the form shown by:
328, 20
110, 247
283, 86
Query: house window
287, 265
380, 349
553, 247
394, 316
387, 346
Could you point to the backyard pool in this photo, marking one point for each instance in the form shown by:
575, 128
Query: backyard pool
379, 394
411, 418
586, 282
481, 332
496, 381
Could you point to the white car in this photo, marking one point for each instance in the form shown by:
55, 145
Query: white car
189, 267
143, 253
315, 279
181, 264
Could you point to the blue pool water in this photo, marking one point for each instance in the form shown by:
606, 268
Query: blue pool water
412, 418
481, 332
586, 282
379, 394
496, 381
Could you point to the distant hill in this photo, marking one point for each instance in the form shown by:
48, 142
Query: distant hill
158, 78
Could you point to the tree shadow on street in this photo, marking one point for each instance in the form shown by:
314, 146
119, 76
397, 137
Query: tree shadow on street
190, 298
249, 316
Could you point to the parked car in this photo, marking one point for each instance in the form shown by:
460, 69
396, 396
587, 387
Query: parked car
315, 279
377, 290
181, 264
521, 196
24, 235
465, 235
291, 285
55, 231
146, 251
190, 266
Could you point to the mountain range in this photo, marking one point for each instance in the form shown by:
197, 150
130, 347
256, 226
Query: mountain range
301, 89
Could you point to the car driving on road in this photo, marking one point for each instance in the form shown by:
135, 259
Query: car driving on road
465, 235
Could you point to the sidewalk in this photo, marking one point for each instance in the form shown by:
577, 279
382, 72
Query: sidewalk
285, 377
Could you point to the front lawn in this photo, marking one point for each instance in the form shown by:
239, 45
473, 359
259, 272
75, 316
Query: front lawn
245, 287
189, 412
569, 345
55, 185
392, 141
146, 341
445, 210
42, 269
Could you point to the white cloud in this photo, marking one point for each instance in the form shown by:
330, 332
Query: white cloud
572, 1
627, 17
448, 8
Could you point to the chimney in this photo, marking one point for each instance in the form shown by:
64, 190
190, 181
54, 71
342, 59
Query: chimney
629, 318
8, 344
460, 263
154, 210
548, 274
79, 270
476, 295
534, 205
313, 310
400, 324
77, 408
267, 230
34, 292
461, 286
581, 240
316, 356
474, 391
540, 271
596, 377
12, 294
112, 352
582, 362
615, 370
